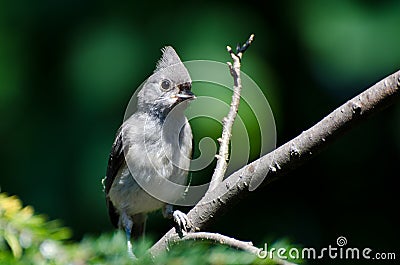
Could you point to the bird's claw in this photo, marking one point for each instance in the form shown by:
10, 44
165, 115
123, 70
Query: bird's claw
183, 224
131, 255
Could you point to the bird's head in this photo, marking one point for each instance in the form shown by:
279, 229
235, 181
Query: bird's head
169, 85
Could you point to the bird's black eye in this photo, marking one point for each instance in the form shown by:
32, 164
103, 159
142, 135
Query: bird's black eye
166, 84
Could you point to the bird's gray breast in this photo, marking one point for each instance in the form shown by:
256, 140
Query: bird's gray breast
154, 151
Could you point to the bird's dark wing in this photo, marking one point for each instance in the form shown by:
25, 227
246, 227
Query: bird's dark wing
115, 161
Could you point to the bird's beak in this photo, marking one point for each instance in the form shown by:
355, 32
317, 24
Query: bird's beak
185, 93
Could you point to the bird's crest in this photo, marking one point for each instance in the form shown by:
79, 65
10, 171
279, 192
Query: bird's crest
169, 58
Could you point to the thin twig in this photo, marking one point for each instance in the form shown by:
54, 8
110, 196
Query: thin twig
290, 155
224, 240
220, 239
222, 157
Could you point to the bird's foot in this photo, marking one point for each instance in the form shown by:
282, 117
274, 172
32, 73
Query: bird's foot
183, 224
130, 250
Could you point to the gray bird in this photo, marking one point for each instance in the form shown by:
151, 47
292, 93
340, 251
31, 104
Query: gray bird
152, 145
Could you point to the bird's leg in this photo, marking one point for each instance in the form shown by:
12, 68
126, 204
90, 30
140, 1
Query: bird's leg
181, 220
127, 224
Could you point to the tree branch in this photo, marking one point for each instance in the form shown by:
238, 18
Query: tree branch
222, 156
223, 240
290, 155
217, 238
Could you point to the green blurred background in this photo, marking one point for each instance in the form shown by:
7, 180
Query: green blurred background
69, 68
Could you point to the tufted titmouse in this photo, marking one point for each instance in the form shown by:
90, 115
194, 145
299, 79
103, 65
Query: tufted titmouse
146, 147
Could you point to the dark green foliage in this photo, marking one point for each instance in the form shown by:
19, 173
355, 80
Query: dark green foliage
27, 238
